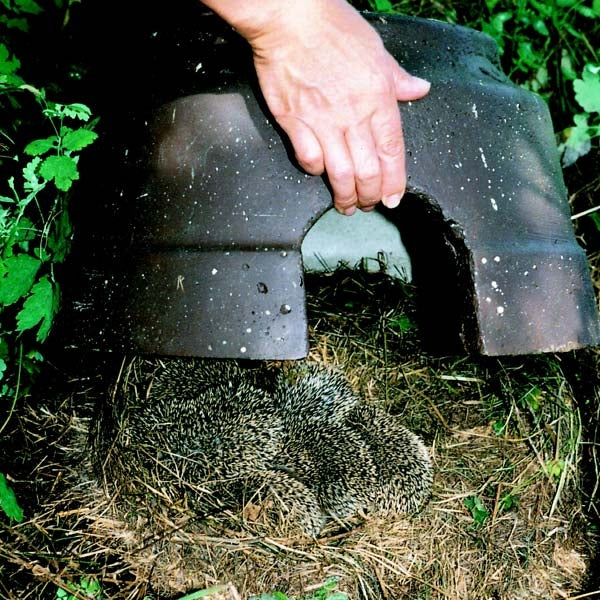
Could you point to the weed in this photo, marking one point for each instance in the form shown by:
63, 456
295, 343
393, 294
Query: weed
205, 593
325, 592
86, 588
508, 501
547, 47
478, 510
577, 139
8, 501
35, 229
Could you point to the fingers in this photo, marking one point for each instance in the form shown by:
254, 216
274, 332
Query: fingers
340, 172
368, 164
307, 148
364, 164
407, 86
367, 168
389, 140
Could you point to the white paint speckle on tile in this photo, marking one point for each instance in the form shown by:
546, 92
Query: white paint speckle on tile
483, 158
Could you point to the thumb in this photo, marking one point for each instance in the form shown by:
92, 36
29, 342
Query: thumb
408, 87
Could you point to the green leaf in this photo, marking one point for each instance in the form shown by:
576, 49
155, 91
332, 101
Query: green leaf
587, 89
578, 141
566, 66
14, 23
78, 139
8, 66
587, 12
28, 6
540, 26
498, 427
29, 175
61, 169
402, 323
479, 512
8, 501
204, 593
39, 308
41, 146
19, 275
381, 5
508, 501
77, 111
529, 55
555, 468
59, 240
25, 231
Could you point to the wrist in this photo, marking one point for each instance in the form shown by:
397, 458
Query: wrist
250, 18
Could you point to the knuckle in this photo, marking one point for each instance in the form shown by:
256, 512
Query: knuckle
368, 174
368, 199
345, 200
391, 145
310, 161
340, 172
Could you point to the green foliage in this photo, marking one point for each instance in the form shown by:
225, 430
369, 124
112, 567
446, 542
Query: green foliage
41, 143
547, 46
532, 401
402, 323
508, 501
382, 6
8, 501
555, 468
86, 588
325, 592
478, 510
578, 138
205, 593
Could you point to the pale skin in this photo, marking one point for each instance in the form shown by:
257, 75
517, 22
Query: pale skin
334, 90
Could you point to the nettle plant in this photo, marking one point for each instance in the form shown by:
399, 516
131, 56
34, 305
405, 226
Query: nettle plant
36, 176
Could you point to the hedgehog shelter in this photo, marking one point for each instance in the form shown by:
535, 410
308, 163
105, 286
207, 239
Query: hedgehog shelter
218, 228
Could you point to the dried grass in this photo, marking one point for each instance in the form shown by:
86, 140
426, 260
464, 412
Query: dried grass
152, 546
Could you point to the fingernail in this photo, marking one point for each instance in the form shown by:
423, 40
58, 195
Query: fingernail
421, 81
392, 201
350, 211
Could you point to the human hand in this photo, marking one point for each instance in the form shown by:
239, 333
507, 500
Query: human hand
333, 88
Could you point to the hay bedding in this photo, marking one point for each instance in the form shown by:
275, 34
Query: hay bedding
504, 432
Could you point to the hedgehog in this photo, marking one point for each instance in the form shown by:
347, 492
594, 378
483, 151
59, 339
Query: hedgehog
357, 456
185, 423
222, 433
